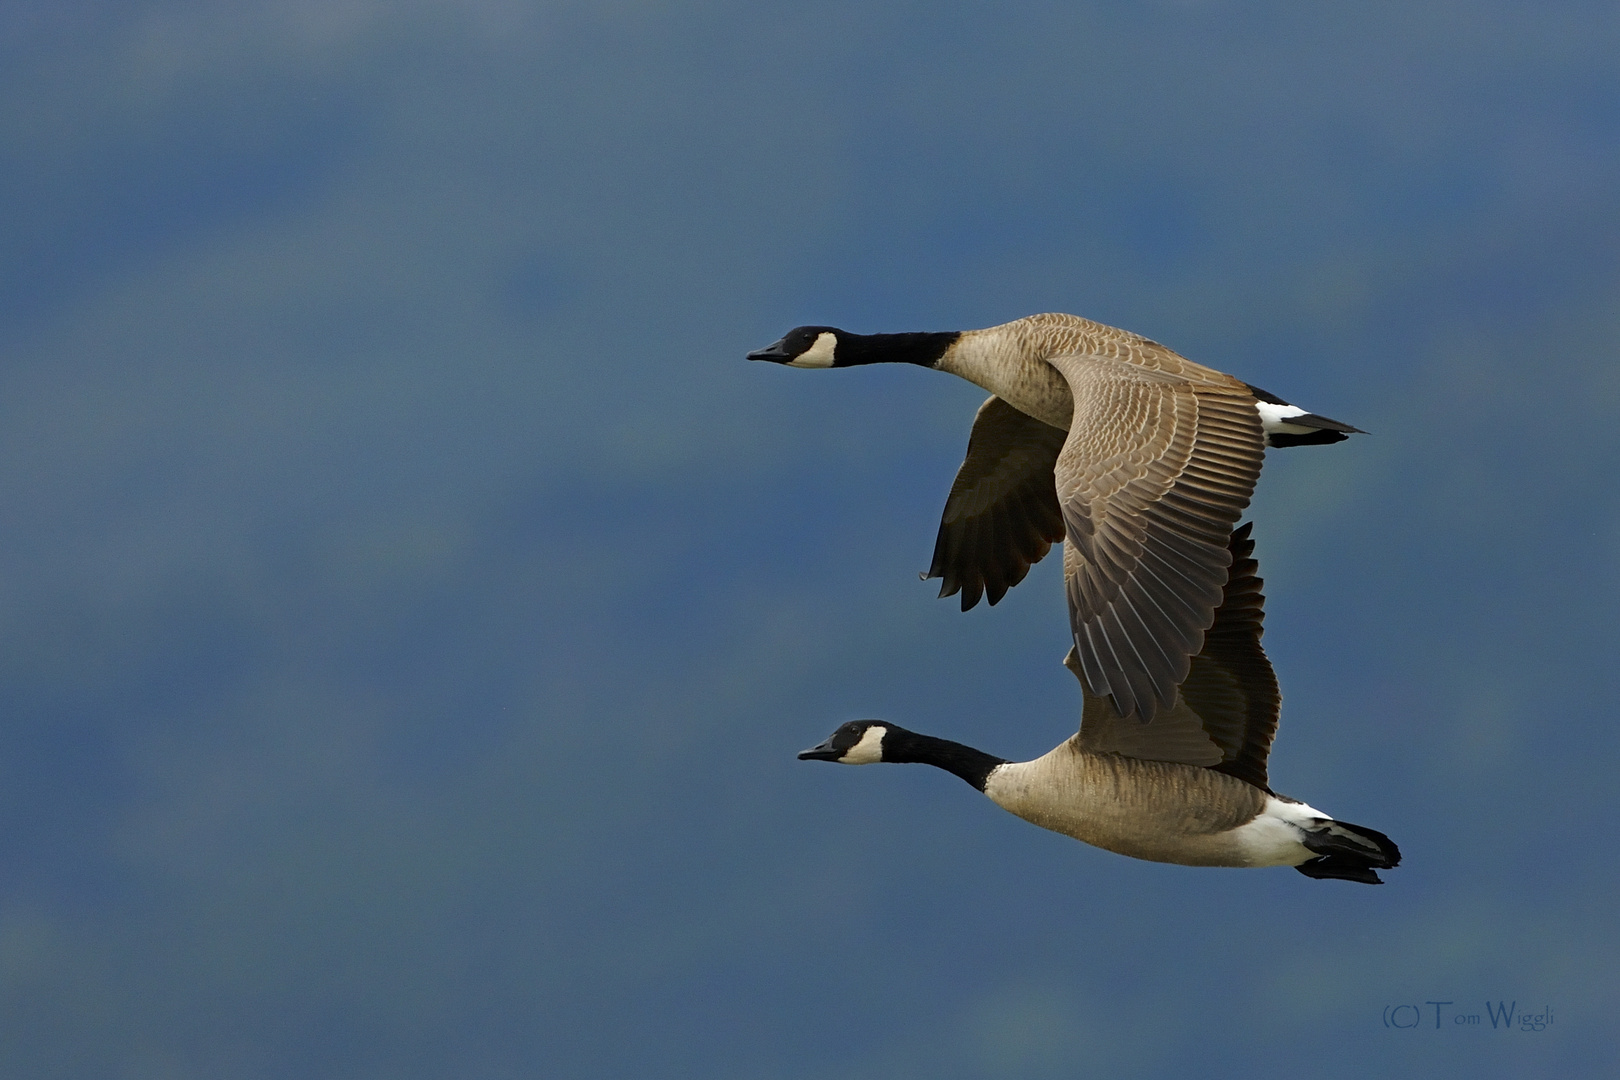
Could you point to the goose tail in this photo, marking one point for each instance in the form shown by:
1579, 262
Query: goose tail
1287, 424
1309, 430
1348, 853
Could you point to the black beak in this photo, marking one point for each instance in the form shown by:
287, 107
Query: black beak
774, 351
824, 752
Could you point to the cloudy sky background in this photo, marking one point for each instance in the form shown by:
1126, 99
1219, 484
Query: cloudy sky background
411, 601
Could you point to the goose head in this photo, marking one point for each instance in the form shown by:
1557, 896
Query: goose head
803, 346
859, 742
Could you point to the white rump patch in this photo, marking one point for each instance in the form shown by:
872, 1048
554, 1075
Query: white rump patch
818, 355
1276, 837
869, 750
1274, 417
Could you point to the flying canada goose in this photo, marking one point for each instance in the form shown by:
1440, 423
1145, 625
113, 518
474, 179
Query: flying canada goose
1141, 458
1190, 787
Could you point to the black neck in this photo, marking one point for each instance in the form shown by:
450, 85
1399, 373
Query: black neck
923, 349
971, 765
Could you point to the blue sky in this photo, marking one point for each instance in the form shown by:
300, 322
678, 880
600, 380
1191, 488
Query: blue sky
412, 601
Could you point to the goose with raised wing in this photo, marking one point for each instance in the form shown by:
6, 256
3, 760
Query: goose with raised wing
1139, 458
1190, 787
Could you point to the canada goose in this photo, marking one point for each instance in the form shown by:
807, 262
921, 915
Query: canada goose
1190, 787
1141, 458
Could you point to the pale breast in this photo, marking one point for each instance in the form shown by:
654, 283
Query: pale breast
1009, 368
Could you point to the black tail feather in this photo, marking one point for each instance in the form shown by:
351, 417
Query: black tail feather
1321, 437
1341, 867
1349, 852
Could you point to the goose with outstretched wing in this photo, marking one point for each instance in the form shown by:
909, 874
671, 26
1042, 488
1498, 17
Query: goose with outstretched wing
1136, 457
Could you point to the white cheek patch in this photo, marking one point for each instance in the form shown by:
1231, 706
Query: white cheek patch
818, 355
869, 750
1274, 417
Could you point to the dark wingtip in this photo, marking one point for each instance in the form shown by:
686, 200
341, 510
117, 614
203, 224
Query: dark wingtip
949, 586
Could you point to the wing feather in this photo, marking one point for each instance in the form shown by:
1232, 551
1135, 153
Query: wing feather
1224, 715
1232, 685
1154, 472
1002, 515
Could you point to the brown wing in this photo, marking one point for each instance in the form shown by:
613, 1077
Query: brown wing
1225, 714
1002, 516
1176, 734
1156, 468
